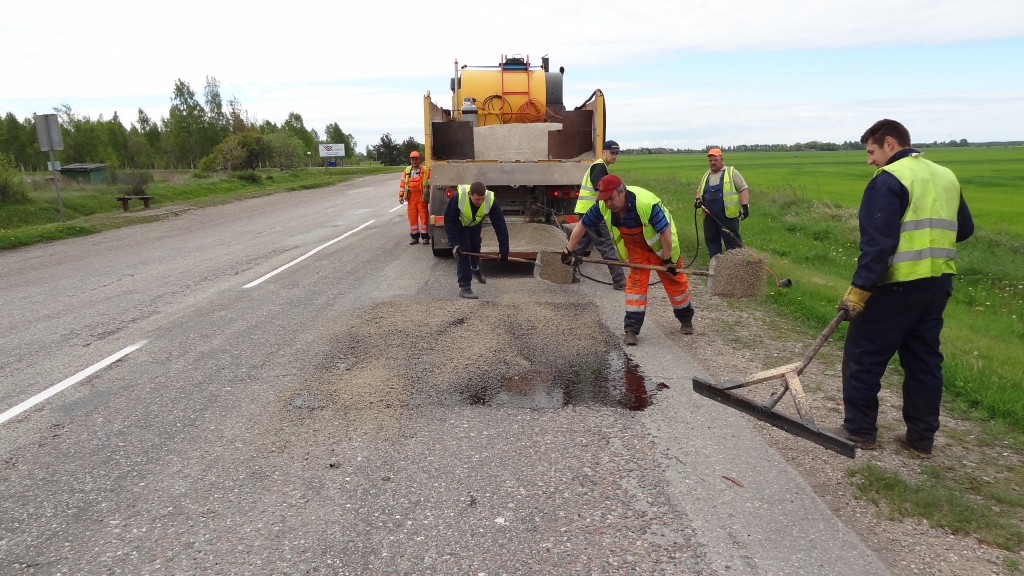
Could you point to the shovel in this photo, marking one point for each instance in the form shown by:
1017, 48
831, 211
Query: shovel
804, 427
493, 257
643, 266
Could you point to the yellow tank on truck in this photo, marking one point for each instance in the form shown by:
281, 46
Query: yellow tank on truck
506, 96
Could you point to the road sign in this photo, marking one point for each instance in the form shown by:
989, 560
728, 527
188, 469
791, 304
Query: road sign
48, 132
330, 150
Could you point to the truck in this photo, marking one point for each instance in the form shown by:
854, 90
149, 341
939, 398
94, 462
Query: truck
507, 126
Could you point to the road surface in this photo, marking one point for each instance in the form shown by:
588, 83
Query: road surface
350, 414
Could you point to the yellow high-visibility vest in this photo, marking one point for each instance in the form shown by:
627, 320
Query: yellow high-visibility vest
466, 207
645, 201
588, 192
730, 195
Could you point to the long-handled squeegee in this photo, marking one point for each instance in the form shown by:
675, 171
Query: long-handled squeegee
804, 427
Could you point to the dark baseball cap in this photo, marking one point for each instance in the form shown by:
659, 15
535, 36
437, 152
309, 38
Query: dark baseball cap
611, 146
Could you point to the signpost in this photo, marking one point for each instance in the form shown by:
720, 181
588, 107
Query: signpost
332, 150
48, 133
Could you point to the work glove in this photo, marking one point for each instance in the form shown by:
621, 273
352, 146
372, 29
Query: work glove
568, 258
668, 263
853, 301
745, 211
401, 200
503, 256
698, 203
456, 251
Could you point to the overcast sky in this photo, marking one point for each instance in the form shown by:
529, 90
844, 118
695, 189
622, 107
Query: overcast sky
675, 73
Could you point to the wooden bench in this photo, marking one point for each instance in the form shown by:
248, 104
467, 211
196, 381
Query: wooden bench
124, 200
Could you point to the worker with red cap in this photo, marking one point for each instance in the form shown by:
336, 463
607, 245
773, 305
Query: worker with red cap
414, 192
723, 194
644, 233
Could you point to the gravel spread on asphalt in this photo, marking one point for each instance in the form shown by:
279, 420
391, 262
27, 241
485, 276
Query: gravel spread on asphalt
525, 237
513, 141
737, 274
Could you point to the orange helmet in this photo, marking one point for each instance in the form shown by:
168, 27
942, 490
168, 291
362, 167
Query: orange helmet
414, 154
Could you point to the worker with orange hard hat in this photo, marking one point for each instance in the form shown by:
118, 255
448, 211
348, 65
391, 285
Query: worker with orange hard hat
644, 233
724, 195
414, 192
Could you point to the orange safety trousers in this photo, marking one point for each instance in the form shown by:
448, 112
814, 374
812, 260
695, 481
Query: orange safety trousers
677, 287
417, 209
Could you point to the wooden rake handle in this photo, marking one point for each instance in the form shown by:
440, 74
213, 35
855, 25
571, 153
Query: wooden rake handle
644, 266
493, 257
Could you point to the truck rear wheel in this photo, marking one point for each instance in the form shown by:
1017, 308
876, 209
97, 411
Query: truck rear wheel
439, 252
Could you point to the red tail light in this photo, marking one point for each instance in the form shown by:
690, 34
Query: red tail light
449, 192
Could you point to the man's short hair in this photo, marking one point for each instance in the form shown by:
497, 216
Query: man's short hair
477, 188
891, 128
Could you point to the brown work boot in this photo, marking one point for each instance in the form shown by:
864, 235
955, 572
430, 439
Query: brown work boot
862, 443
629, 339
901, 439
414, 241
686, 326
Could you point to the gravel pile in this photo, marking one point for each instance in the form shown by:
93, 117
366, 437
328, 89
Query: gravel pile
737, 274
513, 141
525, 237
553, 270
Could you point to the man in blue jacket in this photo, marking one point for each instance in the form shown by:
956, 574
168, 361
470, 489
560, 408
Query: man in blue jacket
463, 219
911, 217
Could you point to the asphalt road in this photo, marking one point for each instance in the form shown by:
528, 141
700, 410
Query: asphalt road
352, 415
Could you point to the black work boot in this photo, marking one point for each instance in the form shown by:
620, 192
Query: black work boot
629, 339
862, 443
415, 240
467, 292
686, 326
619, 284
479, 275
901, 439
425, 239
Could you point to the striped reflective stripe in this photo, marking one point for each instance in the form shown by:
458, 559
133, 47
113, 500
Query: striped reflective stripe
732, 203
587, 188
681, 298
925, 254
636, 297
636, 308
929, 223
585, 196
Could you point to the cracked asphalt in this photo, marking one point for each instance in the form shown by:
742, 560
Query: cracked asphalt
352, 415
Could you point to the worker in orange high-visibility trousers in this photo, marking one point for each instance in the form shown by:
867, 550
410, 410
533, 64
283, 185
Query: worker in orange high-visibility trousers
414, 192
644, 233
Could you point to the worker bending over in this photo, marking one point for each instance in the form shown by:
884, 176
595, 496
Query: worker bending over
463, 219
644, 233
600, 237
414, 192
724, 195
911, 217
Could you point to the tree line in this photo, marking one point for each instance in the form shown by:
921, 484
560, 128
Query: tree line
204, 133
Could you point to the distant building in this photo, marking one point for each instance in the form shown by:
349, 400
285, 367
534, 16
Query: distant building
83, 172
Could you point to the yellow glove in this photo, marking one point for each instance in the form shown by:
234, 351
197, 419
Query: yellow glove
853, 301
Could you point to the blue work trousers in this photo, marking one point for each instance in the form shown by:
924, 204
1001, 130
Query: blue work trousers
714, 236
896, 319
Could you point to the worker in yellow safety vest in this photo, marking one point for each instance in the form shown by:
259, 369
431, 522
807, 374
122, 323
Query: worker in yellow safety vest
599, 237
912, 215
463, 221
414, 192
723, 193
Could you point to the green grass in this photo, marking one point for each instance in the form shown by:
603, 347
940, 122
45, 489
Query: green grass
90, 209
961, 503
812, 238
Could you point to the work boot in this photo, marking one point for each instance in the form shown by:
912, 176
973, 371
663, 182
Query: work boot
467, 292
901, 439
629, 339
479, 275
426, 239
619, 284
686, 326
414, 241
862, 443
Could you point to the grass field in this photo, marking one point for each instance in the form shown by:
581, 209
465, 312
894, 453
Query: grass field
804, 217
89, 209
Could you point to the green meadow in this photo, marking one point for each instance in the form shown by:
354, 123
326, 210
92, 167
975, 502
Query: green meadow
804, 217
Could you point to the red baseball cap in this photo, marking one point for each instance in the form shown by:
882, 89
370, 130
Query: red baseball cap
607, 186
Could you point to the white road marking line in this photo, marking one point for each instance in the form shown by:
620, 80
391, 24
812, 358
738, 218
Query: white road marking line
396, 207
69, 382
304, 256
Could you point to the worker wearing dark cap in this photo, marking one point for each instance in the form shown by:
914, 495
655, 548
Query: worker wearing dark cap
723, 193
644, 233
600, 237
463, 221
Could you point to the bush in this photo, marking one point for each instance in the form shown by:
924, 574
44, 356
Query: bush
135, 181
247, 176
200, 175
13, 187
